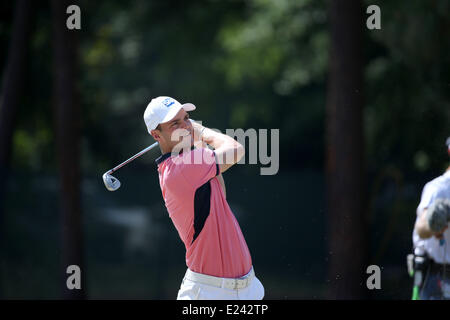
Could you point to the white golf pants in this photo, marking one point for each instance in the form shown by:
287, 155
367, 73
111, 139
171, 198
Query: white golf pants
197, 286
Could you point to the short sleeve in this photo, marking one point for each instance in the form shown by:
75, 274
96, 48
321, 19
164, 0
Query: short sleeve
198, 166
428, 196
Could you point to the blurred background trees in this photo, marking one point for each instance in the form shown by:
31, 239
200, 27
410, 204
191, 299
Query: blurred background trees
12, 84
346, 192
248, 64
68, 140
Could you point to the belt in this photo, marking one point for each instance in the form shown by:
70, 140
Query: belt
438, 268
229, 283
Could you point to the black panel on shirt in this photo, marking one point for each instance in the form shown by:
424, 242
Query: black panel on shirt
217, 165
202, 205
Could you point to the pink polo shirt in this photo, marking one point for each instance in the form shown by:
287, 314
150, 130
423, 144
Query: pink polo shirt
197, 206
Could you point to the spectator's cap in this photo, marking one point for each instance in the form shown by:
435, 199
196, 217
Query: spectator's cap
448, 145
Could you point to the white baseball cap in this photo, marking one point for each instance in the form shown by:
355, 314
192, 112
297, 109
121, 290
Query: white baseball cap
163, 109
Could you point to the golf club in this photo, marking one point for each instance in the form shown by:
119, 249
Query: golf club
112, 183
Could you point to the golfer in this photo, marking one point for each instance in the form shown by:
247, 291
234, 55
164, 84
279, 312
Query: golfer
190, 175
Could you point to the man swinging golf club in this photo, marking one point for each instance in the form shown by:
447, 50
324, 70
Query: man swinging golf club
218, 259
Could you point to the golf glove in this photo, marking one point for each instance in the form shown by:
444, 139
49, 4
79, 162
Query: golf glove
438, 214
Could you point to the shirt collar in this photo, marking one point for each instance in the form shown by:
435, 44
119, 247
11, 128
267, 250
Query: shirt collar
163, 157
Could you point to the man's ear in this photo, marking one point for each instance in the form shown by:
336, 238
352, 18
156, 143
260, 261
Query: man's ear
155, 134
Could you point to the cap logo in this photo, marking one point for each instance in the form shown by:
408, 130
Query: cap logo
168, 102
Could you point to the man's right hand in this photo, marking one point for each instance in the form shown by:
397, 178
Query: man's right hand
228, 151
438, 215
440, 235
197, 131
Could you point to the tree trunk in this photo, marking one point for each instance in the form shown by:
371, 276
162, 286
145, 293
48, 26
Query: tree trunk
13, 80
67, 128
344, 154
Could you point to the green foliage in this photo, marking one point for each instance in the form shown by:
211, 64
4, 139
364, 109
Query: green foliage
408, 97
280, 41
256, 63
274, 59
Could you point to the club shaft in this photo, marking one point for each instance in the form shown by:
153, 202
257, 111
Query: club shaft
137, 155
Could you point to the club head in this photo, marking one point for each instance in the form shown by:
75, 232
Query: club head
111, 183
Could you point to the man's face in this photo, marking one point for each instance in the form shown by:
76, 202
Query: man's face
177, 132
